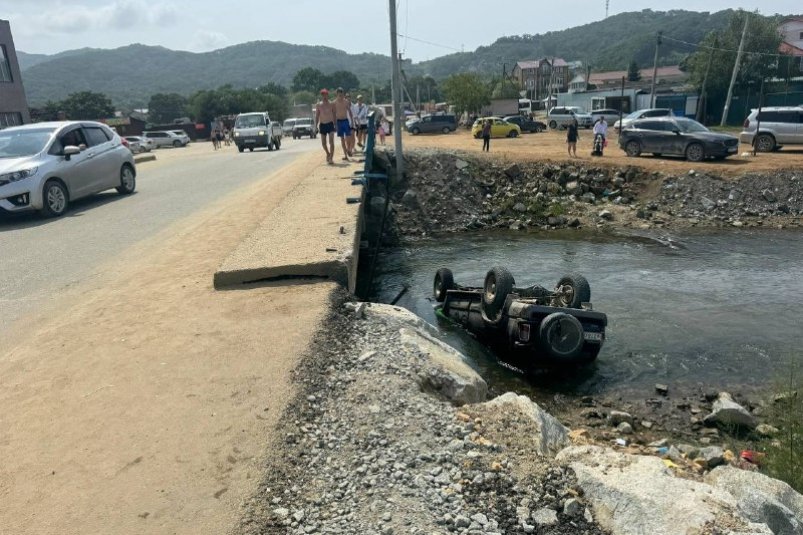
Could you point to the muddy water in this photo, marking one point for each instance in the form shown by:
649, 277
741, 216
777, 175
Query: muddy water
695, 311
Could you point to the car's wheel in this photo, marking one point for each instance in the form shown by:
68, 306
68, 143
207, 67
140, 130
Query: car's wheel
498, 284
538, 129
415, 131
278, 144
250, 149
656, 154
573, 290
446, 130
765, 143
553, 125
241, 149
444, 281
513, 133
633, 148
561, 336
128, 180
177, 143
695, 152
55, 199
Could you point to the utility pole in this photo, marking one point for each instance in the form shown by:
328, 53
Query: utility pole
418, 97
735, 71
655, 70
705, 79
395, 84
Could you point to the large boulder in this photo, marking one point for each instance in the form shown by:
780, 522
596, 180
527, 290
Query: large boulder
637, 494
727, 413
445, 370
762, 499
549, 435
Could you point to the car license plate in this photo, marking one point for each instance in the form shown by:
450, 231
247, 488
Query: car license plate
593, 337
250, 140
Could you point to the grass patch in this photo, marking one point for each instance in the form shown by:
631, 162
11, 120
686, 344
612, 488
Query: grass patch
785, 451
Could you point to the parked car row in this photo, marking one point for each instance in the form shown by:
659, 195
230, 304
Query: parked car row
46, 166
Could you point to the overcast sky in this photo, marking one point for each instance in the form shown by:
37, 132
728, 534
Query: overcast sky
49, 26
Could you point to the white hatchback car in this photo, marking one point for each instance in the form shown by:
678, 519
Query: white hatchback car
45, 166
167, 139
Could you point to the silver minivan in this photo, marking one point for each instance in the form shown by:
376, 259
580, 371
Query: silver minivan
780, 125
45, 166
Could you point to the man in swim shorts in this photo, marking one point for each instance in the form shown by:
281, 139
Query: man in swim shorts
343, 118
325, 119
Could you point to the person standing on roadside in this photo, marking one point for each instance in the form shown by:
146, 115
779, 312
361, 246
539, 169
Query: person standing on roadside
486, 135
383, 128
343, 118
325, 119
360, 112
571, 138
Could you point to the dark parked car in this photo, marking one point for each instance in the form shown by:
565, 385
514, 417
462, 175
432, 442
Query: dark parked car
526, 125
432, 123
676, 136
530, 327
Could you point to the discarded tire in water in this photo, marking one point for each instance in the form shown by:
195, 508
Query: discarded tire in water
561, 336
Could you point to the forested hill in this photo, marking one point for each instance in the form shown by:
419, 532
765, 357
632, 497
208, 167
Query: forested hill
131, 74
609, 44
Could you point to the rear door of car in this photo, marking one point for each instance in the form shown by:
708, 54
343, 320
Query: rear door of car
161, 139
651, 136
105, 160
783, 123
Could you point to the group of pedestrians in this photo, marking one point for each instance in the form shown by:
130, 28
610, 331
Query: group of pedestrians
342, 117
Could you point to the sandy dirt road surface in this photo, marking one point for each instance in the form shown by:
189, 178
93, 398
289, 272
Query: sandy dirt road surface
140, 400
551, 145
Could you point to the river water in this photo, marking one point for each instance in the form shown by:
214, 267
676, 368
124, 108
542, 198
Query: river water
694, 310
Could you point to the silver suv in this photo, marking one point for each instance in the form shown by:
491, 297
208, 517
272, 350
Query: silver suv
45, 166
167, 138
782, 125
561, 116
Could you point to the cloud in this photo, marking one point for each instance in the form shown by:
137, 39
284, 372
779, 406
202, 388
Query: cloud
205, 40
119, 15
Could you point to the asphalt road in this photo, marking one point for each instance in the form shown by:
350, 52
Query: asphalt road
39, 258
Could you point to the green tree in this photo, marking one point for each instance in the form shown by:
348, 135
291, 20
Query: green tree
633, 72
345, 79
164, 107
274, 89
762, 38
304, 97
467, 92
308, 79
87, 105
505, 89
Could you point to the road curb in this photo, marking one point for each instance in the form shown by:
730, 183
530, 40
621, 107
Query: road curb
144, 158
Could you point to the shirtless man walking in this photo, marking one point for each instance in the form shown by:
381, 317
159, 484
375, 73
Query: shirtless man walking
344, 119
325, 119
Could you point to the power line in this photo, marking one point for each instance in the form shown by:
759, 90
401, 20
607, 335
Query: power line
429, 42
720, 49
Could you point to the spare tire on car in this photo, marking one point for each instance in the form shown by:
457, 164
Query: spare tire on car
561, 336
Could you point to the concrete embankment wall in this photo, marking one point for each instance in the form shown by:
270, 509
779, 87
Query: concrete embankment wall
314, 233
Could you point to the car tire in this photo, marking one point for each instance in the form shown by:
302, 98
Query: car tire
695, 152
250, 149
574, 290
657, 154
765, 143
446, 130
278, 144
538, 129
498, 284
55, 199
444, 281
241, 149
633, 148
561, 336
553, 125
177, 143
128, 180
415, 131
512, 133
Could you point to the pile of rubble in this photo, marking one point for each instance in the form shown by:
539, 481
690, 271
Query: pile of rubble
452, 191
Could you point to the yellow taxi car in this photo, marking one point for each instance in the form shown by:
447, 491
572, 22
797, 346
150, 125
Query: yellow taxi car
499, 128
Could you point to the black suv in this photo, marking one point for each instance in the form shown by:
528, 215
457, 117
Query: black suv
526, 125
676, 136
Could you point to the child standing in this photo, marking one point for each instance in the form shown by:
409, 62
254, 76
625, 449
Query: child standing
486, 135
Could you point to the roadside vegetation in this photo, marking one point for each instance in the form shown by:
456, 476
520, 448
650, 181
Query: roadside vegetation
785, 452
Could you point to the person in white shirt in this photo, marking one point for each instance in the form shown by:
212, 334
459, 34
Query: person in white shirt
360, 113
601, 127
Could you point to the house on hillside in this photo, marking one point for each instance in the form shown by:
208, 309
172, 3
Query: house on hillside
543, 77
792, 31
13, 104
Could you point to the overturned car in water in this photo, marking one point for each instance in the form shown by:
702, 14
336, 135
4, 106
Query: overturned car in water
530, 327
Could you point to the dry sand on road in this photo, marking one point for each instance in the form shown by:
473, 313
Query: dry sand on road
143, 404
551, 145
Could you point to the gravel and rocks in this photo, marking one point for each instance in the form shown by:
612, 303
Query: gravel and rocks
447, 191
368, 448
